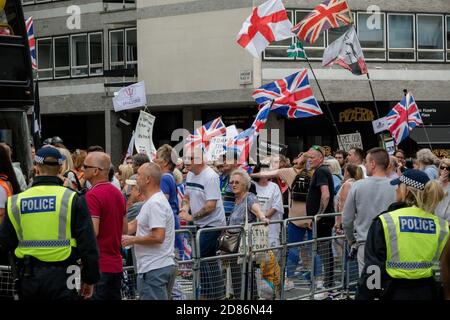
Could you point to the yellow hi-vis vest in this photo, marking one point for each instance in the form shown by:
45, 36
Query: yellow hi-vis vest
41, 217
414, 241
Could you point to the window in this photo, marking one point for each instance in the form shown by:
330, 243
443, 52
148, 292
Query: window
401, 37
131, 48
61, 57
123, 48
334, 34
95, 54
116, 49
278, 49
45, 58
448, 38
314, 51
372, 35
79, 55
430, 37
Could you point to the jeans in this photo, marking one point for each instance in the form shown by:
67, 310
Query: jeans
297, 234
108, 287
212, 282
156, 284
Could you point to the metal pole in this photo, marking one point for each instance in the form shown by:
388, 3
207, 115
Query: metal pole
323, 97
373, 96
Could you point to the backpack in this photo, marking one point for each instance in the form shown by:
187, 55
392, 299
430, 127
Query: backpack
300, 186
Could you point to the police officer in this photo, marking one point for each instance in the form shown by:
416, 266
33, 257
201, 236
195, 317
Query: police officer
404, 244
49, 228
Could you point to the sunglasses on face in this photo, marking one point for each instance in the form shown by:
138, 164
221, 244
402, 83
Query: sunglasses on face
444, 168
85, 166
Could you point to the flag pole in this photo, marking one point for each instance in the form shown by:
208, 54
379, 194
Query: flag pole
405, 91
373, 95
323, 97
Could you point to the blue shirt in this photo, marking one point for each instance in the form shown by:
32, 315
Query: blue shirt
227, 195
169, 187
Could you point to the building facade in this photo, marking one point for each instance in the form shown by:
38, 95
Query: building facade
194, 70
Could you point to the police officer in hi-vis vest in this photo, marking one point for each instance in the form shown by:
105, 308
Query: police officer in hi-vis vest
49, 228
404, 244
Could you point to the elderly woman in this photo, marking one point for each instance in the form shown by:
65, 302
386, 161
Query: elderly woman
443, 208
426, 160
335, 169
246, 203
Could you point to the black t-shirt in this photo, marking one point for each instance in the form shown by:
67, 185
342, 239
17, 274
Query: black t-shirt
321, 177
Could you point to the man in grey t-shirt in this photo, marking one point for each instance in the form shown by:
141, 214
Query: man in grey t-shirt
366, 200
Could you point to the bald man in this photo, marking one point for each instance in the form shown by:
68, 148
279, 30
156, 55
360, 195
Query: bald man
108, 212
155, 237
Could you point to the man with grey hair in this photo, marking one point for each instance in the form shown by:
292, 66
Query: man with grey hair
154, 239
427, 159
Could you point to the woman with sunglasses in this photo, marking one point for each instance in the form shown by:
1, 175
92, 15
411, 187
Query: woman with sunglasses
443, 208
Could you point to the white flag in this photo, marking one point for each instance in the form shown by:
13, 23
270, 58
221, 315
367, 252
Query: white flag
130, 97
268, 23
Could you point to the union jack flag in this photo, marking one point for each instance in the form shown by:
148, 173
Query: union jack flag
292, 96
404, 117
329, 14
31, 41
203, 135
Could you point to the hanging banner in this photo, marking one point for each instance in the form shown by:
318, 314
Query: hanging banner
130, 97
144, 134
380, 125
349, 141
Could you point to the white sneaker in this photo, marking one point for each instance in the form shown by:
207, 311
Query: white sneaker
321, 296
289, 285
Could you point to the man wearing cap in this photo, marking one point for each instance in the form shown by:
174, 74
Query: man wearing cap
49, 228
405, 243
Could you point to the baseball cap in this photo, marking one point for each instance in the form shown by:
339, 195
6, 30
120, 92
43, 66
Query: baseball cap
49, 152
414, 178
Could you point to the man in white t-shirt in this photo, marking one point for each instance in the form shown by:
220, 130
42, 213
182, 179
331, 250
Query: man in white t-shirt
154, 240
204, 200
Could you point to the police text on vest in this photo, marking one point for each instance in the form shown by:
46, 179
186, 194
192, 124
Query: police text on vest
417, 225
38, 204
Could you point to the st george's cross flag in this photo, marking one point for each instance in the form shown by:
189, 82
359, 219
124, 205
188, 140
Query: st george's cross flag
346, 51
404, 117
268, 23
329, 14
292, 96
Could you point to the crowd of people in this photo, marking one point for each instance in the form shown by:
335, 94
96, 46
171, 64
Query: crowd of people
394, 211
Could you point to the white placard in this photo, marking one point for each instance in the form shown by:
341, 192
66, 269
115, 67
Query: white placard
144, 134
130, 97
349, 141
380, 125
390, 146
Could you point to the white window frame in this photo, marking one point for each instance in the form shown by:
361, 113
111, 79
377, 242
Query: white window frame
325, 38
413, 49
72, 67
125, 58
37, 57
54, 60
95, 65
293, 41
447, 43
385, 38
443, 50
111, 64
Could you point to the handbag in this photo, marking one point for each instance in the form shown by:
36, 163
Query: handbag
229, 241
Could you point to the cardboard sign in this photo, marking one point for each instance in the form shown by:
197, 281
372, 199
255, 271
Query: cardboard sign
380, 125
217, 145
349, 141
144, 134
